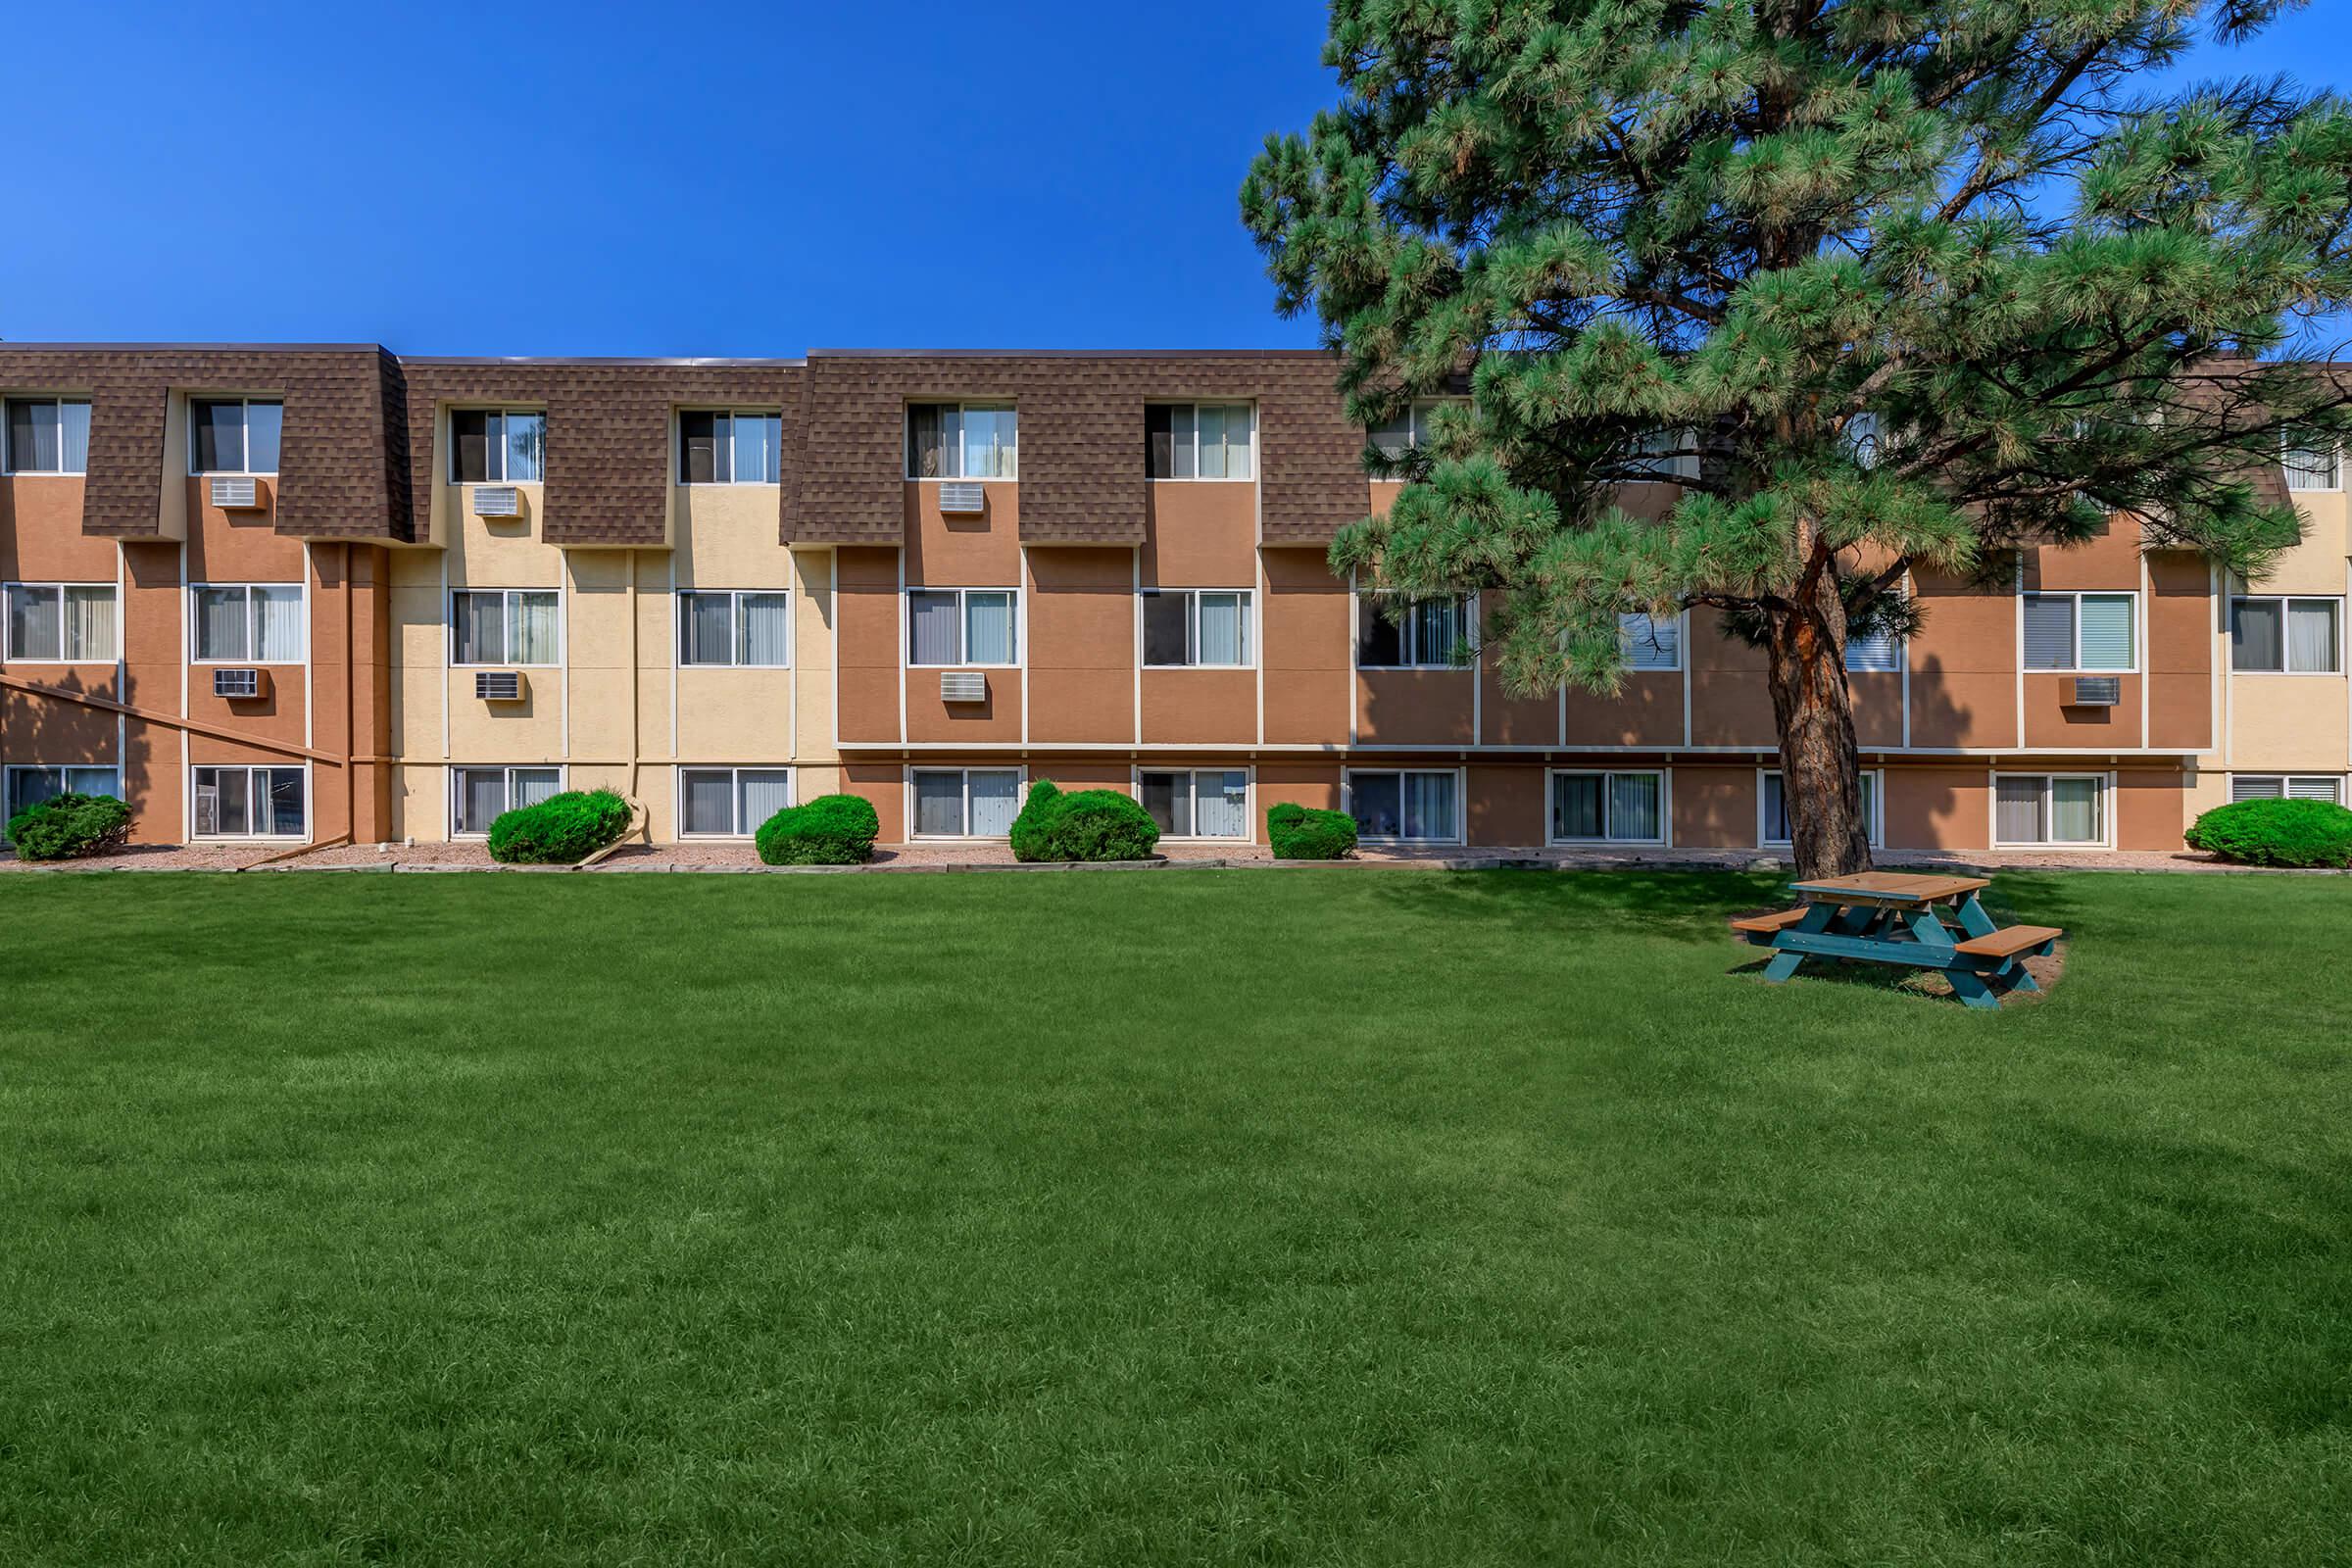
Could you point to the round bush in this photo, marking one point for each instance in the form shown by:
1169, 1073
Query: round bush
830, 830
559, 830
66, 826
1298, 832
2276, 833
1085, 826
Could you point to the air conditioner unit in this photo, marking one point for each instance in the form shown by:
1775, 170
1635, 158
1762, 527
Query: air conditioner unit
235, 492
496, 501
2095, 691
963, 500
240, 685
962, 686
498, 685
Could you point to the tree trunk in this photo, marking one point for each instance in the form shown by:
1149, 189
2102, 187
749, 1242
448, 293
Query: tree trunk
1820, 775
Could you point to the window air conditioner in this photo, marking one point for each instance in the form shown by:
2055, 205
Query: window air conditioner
240, 684
963, 500
498, 685
496, 501
962, 686
2095, 691
235, 492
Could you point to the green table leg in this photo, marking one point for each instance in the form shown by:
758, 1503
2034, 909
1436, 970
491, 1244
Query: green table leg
1784, 966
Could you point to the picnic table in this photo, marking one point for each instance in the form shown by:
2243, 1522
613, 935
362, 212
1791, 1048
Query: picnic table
1908, 921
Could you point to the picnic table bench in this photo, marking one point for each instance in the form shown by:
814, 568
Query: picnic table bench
1899, 919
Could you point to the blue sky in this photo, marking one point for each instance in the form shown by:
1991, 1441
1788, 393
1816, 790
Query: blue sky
534, 179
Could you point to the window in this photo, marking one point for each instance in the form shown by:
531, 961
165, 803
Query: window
1199, 803
731, 803
248, 803
1428, 634
61, 623
1669, 455
748, 628
249, 623
1196, 626
496, 446
2286, 636
1773, 829
2286, 787
2313, 461
2081, 633
1406, 806
1609, 807
2050, 808
1393, 438
233, 435
1201, 440
966, 802
30, 786
961, 626
1651, 642
48, 435
1879, 652
503, 626
480, 795
961, 441
728, 448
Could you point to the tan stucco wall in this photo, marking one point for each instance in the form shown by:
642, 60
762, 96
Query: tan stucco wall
2289, 723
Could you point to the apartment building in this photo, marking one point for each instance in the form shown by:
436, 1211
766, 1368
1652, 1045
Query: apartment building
294, 594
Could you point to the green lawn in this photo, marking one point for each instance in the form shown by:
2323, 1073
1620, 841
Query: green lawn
1188, 1217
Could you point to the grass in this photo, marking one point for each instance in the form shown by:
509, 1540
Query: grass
1186, 1217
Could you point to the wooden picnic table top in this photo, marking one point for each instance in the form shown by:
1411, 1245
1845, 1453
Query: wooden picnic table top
1889, 887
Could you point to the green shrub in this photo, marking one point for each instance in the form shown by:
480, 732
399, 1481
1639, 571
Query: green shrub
559, 830
65, 826
2276, 833
1301, 833
830, 830
1086, 825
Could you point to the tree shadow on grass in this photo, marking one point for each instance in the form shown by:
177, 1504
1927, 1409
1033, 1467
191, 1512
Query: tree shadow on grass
1687, 907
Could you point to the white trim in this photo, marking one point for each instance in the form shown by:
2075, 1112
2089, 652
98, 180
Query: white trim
678, 438
1466, 606
1461, 803
1020, 798
8, 467
1192, 625
310, 819
1680, 622
9, 657
507, 629
1875, 828
734, 598
2106, 809
2286, 782
1021, 628
1248, 833
2284, 601
504, 412
1664, 776
734, 772
507, 787
191, 590
8, 786
1197, 405
2138, 619
244, 434
961, 406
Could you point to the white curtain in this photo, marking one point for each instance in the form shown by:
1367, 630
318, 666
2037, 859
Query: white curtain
221, 623
939, 805
996, 801
2107, 640
1224, 628
1222, 805
988, 628
762, 631
2310, 463
932, 621
2075, 811
989, 443
527, 447
94, 781
531, 785
1429, 805
534, 636
481, 797
481, 628
2017, 810
2049, 632
90, 622
1634, 802
708, 801
1437, 629
32, 622
277, 625
756, 438
710, 630
1212, 441
2311, 636
761, 793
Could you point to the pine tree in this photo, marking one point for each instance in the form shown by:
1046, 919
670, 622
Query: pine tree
1911, 284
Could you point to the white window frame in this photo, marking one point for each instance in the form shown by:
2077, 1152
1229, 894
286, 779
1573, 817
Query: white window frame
1462, 801
7, 457
682, 611
458, 770
246, 430
7, 782
1902, 656
2286, 602
2286, 783
309, 818
1020, 798
1416, 427
1626, 635
252, 639
504, 412
678, 435
2106, 807
1876, 827
734, 772
1248, 833
9, 654
2138, 629
1665, 778
1192, 626
507, 612
1196, 476
1408, 634
2287, 442
962, 407
1020, 649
